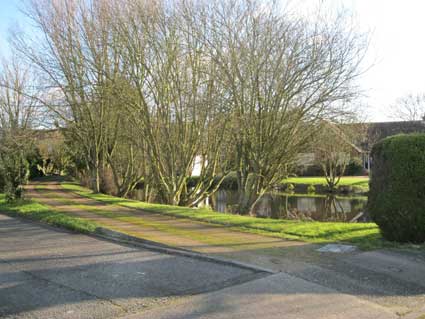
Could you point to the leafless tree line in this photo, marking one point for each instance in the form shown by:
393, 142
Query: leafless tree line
410, 107
17, 114
143, 89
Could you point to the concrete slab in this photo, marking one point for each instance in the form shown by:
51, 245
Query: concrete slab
24, 296
337, 248
53, 274
400, 265
274, 297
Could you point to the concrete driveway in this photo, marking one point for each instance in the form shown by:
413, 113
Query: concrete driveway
45, 273
279, 296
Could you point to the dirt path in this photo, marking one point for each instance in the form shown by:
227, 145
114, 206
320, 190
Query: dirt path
389, 278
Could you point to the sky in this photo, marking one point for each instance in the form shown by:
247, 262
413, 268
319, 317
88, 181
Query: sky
10, 16
396, 54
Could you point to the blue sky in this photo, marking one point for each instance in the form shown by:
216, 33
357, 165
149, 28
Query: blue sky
9, 17
396, 53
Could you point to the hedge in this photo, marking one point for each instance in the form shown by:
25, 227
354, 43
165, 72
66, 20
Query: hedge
397, 187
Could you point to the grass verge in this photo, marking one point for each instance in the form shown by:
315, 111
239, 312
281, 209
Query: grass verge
365, 235
39, 212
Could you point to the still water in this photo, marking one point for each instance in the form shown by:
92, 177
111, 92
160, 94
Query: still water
294, 206
298, 206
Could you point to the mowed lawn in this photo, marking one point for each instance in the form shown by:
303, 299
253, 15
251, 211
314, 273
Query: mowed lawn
356, 181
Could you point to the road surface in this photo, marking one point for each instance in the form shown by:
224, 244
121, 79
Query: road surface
47, 273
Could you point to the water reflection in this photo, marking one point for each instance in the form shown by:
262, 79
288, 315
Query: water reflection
300, 207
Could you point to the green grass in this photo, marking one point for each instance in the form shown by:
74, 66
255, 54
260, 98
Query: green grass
365, 235
39, 212
356, 181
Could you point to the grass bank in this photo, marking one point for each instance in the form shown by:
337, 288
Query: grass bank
39, 212
365, 235
360, 182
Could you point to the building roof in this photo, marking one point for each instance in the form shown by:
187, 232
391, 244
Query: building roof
379, 130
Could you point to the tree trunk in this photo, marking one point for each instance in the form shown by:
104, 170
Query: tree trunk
96, 178
248, 193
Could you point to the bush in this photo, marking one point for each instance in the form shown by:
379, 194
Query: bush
13, 193
14, 172
192, 181
309, 170
311, 189
354, 167
34, 160
397, 188
230, 181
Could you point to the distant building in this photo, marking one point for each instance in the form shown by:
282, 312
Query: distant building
374, 132
198, 164
379, 130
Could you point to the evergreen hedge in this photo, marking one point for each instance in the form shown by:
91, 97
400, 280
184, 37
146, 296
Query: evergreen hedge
397, 187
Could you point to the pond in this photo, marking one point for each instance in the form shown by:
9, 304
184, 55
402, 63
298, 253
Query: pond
298, 206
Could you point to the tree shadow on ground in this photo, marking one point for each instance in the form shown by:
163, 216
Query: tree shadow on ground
45, 271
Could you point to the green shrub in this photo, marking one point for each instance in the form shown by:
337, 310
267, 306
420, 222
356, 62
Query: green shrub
309, 170
354, 167
34, 160
397, 188
229, 182
14, 172
311, 189
192, 181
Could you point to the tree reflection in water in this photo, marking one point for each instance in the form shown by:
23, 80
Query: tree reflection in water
299, 206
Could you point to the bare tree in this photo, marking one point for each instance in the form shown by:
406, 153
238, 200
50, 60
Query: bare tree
334, 145
80, 61
238, 84
283, 75
410, 107
61, 57
17, 111
179, 106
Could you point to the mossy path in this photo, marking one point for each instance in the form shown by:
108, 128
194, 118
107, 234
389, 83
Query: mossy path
178, 232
